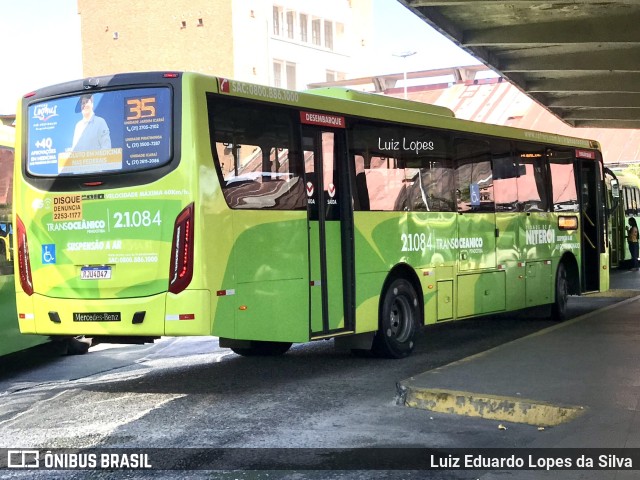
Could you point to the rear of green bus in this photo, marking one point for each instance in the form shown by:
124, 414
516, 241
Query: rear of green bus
104, 210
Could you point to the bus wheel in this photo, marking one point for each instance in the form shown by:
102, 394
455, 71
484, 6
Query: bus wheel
559, 306
263, 349
78, 345
71, 345
399, 314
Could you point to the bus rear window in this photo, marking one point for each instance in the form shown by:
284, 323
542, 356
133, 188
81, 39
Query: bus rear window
115, 131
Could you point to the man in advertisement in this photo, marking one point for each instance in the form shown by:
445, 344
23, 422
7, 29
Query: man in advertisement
91, 132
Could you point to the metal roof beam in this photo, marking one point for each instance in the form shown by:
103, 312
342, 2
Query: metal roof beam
613, 82
595, 100
622, 59
597, 114
608, 30
606, 123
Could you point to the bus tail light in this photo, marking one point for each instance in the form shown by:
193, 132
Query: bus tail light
24, 265
181, 267
567, 222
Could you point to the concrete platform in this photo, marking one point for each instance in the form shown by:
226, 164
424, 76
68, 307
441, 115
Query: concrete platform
578, 380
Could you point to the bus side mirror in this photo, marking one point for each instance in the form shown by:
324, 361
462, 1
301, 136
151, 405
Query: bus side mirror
615, 188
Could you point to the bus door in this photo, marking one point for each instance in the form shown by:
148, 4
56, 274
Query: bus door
592, 221
476, 208
330, 231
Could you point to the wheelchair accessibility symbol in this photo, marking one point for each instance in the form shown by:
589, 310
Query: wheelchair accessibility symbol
48, 254
474, 189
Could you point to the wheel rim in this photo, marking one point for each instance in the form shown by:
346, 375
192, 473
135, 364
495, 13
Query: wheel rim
400, 318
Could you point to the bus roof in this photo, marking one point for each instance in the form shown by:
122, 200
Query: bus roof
338, 101
7, 136
382, 100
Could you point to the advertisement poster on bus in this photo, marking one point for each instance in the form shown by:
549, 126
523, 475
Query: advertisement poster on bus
106, 132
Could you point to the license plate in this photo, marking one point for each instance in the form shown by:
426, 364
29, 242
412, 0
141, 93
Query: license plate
102, 272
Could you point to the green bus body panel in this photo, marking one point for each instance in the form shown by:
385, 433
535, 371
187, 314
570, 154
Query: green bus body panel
12, 340
481, 293
605, 280
445, 300
270, 254
539, 281
476, 241
138, 252
334, 277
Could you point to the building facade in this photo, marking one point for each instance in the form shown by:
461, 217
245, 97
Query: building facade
284, 43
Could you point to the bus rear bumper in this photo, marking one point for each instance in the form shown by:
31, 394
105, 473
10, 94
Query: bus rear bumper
188, 313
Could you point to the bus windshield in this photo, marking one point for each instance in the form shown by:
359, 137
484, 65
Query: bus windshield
114, 131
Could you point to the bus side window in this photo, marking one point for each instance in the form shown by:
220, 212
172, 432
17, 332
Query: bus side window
532, 181
506, 171
362, 191
374, 149
402, 169
474, 176
253, 155
563, 180
429, 171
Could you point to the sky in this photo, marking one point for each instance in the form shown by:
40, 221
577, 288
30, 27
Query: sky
397, 30
41, 45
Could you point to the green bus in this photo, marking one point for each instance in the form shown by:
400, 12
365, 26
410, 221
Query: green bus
174, 203
11, 339
625, 206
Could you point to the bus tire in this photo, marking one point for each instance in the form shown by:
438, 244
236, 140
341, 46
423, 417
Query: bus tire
78, 345
70, 345
399, 315
263, 349
559, 305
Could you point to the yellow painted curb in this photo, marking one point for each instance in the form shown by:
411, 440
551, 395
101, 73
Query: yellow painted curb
507, 409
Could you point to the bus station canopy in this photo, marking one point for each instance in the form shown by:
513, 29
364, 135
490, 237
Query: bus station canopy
578, 59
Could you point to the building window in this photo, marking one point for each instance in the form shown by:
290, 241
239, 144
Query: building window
291, 75
328, 34
277, 74
304, 35
277, 20
284, 74
333, 76
340, 36
290, 24
316, 34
